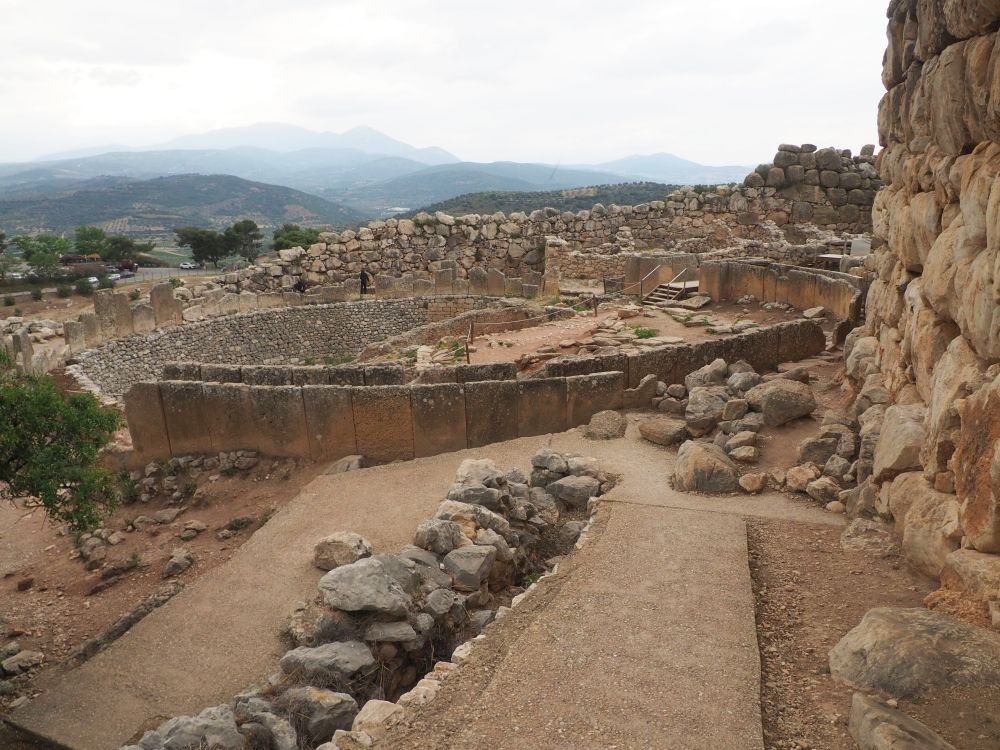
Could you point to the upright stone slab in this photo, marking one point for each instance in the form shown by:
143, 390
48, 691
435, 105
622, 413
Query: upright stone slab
269, 300
146, 424
221, 373
383, 423
167, 309
529, 291
123, 315
329, 421
490, 412
384, 287
386, 375
443, 281
496, 283
340, 375
267, 375
230, 304
91, 329
438, 419
104, 309
586, 395
311, 375
143, 319
74, 334
24, 349
491, 371
477, 281
461, 286
248, 302
181, 371
280, 421
184, 414
514, 288
229, 416
423, 288
541, 406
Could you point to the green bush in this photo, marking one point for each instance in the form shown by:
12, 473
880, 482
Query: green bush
175, 282
83, 287
135, 294
105, 283
50, 446
8, 301
63, 291
641, 332
36, 294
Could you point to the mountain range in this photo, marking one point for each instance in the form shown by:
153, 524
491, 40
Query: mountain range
359, 173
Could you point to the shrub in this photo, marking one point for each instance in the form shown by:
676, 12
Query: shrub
83, 287
63, 291
17, 312
135, 294
8, 301
175, 282
641, 332
36, 294
105, 283
50, 445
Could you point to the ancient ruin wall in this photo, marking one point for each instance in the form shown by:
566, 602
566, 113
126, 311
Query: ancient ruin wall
825, 187
277, 335
933, 331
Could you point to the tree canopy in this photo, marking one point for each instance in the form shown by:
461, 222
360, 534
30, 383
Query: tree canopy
42, 252
244, 238
50, 446
207, 245
292, 235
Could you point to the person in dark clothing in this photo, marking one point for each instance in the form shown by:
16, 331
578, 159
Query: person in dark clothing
300, 286
364, 282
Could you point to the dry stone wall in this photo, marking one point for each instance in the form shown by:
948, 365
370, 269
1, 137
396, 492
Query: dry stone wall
279, 335
927, 363
823, 187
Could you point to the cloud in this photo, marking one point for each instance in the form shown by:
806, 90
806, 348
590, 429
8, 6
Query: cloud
565, 80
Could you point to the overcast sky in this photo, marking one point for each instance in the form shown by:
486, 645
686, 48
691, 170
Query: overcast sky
716, 81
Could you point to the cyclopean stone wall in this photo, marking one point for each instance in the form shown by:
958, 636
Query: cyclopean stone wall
277, 335
825, 187
927, 363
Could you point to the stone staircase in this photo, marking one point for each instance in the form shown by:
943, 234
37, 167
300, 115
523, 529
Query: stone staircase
673, 291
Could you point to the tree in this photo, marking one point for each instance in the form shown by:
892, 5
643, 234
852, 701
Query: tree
292, 235
207, 245
7, 262
50, 446
125, 248
245, 239
43, 251
91, 240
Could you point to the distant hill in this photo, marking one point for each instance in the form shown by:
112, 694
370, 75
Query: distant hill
672, 169
152, 209
572, 199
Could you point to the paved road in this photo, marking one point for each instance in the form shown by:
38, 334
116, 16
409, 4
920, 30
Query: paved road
666, 585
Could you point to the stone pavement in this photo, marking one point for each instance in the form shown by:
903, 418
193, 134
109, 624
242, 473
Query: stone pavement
656, 615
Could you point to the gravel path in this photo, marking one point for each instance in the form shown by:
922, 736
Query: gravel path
667, 587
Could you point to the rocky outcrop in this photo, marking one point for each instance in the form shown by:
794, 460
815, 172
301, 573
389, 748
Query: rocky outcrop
926, 364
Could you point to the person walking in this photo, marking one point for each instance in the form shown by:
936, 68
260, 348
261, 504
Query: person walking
364, 282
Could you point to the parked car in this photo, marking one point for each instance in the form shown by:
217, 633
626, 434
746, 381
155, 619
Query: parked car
93, 280
127, 275
15, 276
188, 265
114, 276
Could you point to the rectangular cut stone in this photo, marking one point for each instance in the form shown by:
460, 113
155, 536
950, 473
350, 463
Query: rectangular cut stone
383, 422
438, 419
310, 376
384, 287
461, 286
386, 375
541, 406
267, 375
588, 394
514, 288
529, 291
443, 281
423, 288
229, 415
270, 299
496, 283
291, 299
181, 371
221, 373
248, 302
167, 309
492, 371
146, 424
184, 414
143, 320
490, 412
799, 339
91, 329
329, 421
74, 334
230, 304
477, 281
659, 362
105, 308
351, 375
280, 421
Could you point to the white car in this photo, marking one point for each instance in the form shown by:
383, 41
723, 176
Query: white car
93, 280
114, 276
188, 265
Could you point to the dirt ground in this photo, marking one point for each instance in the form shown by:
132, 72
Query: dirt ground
59, 611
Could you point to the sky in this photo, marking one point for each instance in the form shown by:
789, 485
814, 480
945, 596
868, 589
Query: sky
558, 81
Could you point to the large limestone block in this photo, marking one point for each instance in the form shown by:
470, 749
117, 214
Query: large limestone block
907, 653
975, 573
932, 529
365, 586
781, 400
279, 421
491, 412
541, 406
146, 423
704, 467
902, 437
185, 415
329, 421
167, 310
587, 395
438, 413
229, 416
977, 467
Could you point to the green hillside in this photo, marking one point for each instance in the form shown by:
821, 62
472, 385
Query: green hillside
152, 209
572, 199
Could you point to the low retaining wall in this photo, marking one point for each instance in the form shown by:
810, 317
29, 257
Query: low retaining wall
318, 332
400, 422
763, 348
383, 423
802, 288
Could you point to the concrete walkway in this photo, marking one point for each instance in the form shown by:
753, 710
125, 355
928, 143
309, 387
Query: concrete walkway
655, 619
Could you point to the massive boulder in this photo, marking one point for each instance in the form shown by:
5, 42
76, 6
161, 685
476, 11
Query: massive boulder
364, 586
898, 448
705, 407
328, 663
704, 467
664, 431
781, 400
907, 653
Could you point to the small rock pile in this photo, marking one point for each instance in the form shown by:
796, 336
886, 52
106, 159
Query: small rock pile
380, 619
716, 417
16, 666
39, 331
